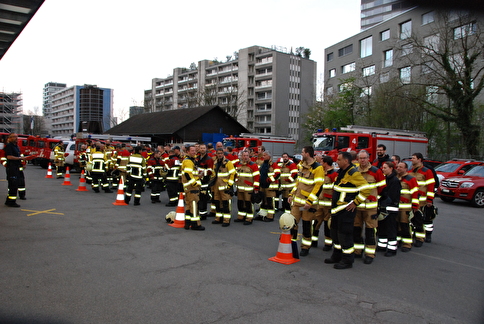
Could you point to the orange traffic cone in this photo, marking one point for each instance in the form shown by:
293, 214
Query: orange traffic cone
180, 213
120, 196
82, 183
284, 252
49, 171
67, 178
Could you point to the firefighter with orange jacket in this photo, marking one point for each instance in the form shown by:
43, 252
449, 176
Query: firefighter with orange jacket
426, 184
247, 182
191, 186
269, 185
205, 170
173, 186
287, 174
323, 213
408, 203
366, 213
156, 173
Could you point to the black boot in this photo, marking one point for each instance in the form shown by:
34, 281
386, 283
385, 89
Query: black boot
428, 237
315, 234
197, 227
335, 257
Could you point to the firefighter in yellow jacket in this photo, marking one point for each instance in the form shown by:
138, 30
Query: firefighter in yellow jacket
304, 196
59, 159
223, 178
350, 190
191, 186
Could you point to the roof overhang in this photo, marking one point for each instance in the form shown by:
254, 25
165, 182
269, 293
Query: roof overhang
14, 16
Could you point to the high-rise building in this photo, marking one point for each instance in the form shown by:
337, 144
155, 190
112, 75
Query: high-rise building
49, 89
10, 112
268, 90
375, 11
84, 108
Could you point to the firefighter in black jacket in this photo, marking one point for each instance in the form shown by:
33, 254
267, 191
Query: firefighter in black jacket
388, 206
350, 189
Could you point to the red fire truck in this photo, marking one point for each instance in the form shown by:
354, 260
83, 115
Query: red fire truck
356, 138
277, 145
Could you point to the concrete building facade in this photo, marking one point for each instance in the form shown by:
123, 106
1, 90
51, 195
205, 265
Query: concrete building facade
11, 109
86, 108
267, 90
375, 11
49, 89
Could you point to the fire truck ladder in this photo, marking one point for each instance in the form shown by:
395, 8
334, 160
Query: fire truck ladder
383, 131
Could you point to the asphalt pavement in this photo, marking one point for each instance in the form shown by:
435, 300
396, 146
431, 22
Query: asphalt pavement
74, 257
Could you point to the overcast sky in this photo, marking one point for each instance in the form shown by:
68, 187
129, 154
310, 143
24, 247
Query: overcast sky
122, 45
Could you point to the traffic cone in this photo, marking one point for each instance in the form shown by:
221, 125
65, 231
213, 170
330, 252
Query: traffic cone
120, 196
284, 252
180, 213
49, 171
82, 183
67, 178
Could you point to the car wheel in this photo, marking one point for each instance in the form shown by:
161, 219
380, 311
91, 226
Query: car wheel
447, 199
478, 199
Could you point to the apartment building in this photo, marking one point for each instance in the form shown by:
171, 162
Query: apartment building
375, 11
384, 52
268, 90
86, 108
49, 89
11, 112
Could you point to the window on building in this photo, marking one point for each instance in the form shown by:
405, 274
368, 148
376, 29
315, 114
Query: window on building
329, 91
366, 46
465, 30
406, 29
431, 44
365, 91
263, 119
432, 94
332, 73
406, 49
427, 18
387, 58
345, 50
384, 77
329, 57
405, 74
384, 35
427, 67
348, 68
369, 70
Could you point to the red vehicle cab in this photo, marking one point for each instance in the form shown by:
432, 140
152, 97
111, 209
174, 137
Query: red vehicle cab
455, 167
469, 186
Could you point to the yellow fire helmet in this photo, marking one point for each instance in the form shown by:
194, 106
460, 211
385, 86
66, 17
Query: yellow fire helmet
286, 221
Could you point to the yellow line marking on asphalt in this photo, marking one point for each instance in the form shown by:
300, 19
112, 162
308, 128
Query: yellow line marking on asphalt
36, 212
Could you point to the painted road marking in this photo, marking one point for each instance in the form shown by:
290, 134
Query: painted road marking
36, 212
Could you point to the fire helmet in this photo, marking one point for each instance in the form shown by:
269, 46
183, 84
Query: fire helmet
286, 221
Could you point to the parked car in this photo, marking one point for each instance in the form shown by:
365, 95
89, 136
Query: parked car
469, 186
455, 167
432, 163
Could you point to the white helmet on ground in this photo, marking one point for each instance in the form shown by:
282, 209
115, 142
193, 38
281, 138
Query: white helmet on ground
170, 217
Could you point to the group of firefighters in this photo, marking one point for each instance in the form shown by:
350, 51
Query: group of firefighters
361, 207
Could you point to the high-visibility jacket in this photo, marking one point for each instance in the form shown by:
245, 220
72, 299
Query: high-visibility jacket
189, 173
224, 174
98, 162
426, 184
326, 195
248, 176
309, 184
349, 186
136, 167
409, 193
287, 174
376, 181
173, 167
59, 158
205, 169
156, 168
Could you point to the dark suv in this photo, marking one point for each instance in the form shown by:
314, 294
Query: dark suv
469, 186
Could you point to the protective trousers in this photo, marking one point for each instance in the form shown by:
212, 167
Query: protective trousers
342, 234
137, 186
364, 218
13, 184
387, 233
322, 216
245, 210
307, 216
404, 229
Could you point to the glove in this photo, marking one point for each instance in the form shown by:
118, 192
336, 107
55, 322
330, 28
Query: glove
256, 197
375, 216
230, 191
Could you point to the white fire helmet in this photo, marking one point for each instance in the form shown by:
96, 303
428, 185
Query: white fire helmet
170, 217
286, 221
262, 212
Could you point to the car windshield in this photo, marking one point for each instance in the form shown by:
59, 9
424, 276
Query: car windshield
323, 143
447, 167
476, 171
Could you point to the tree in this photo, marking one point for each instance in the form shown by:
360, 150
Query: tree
307, 53
451, 70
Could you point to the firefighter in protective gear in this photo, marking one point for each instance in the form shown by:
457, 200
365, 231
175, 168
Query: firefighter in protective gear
350, 190
98, 170
156, 173
136, 174
269, 185
366, 211
223, 180
59, 159
205, 170
323, 214
286, 222
191, 186
247, 182
287, 174
426, 183
13, 165
110, 152
304, 196
389, 201
408, 203
173, 185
